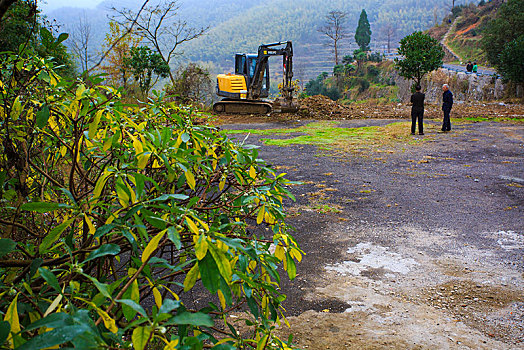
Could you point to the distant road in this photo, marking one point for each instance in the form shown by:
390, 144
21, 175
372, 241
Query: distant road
462, 68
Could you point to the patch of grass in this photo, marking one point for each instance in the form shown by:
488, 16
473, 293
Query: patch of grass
518, 119
328, 136
327, 208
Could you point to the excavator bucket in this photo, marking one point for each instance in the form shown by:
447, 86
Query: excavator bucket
282, 105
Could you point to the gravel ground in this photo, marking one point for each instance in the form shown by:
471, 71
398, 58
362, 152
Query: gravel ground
416, 247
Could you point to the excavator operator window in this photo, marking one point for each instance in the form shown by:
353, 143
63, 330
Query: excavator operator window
240, 64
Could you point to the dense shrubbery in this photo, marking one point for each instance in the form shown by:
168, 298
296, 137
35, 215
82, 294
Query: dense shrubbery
349, 78
112, 214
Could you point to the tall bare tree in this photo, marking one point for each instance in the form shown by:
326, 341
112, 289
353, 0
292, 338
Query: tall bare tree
388, 31
80, 36
160, 26
334, 28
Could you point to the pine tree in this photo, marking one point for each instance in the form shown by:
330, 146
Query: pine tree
363, 32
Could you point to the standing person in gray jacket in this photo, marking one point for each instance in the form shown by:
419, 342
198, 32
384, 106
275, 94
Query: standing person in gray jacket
447, 103
417, 111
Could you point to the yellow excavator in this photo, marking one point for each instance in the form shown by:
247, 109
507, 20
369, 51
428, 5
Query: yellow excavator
245, 90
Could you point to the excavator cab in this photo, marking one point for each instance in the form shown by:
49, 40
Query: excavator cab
246, 64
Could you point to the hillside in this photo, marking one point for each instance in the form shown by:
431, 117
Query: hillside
465, 34
242, 25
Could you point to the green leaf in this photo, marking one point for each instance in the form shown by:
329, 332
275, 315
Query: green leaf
53, 235
253, 306
55, 337
102, 287
134, 306
132, 293
62, 37
42, 116
43, 207
174, 236
209, 273
140, 337
166, 197
5, 328
50, 278
291, 267
169, 305
101, 231
7, 246
197, 319
106, 249
55, 320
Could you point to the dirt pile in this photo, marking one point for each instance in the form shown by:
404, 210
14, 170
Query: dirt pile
322, 108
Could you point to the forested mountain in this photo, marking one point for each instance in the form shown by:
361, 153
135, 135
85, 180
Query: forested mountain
242, 25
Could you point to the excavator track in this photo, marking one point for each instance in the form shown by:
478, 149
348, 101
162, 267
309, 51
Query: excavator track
242, 107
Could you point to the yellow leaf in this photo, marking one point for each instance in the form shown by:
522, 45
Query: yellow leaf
93, 126
108, 321
171, 345
201, 247
100, 184
191, 278
262, 343
152, 245
107, 144
222, 184
11, 316
178, 141
16, 109
252, 172
296, 254
223, 264
172, 293
280, 253
222, 299
202, 223
141, 337
54, 304
89, 223
137, 145
260, 216
143, 159
192, 226
190, 179
157, 296
270, 219
80, 90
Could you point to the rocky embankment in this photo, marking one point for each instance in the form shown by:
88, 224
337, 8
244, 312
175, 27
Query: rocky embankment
465, 87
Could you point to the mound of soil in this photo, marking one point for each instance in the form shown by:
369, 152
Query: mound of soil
323, 108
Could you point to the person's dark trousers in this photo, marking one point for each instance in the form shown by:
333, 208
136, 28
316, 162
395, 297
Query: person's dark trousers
414, 116
446, 125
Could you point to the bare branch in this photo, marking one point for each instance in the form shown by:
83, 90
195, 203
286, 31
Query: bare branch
129, 29
158, 26
335, 30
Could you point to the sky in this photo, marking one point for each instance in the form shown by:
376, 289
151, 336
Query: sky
50, 5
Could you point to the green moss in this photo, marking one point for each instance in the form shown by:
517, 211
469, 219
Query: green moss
327, 135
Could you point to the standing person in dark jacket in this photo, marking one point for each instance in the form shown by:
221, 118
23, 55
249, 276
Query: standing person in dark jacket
417, 111
447, 103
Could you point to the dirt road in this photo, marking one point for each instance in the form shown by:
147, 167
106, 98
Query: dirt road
415, 242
